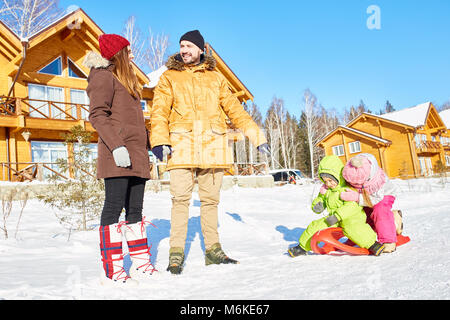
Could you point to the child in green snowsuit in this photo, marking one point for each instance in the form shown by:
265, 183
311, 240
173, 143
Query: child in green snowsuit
345, 214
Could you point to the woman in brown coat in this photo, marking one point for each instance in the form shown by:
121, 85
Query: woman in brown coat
123, 160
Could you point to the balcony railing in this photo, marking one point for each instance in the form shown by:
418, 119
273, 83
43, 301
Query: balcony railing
29, 171
43, 109
428, 147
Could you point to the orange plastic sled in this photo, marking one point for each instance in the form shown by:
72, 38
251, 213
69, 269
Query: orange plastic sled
330, 239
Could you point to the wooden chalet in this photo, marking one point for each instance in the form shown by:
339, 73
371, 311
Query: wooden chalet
406, 143
42, 94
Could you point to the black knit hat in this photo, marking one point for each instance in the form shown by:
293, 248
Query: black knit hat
195, 37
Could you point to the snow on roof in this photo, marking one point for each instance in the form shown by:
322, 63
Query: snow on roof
414, 116
445, 116
367, 135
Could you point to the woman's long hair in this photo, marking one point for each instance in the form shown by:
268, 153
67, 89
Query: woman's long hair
124, 72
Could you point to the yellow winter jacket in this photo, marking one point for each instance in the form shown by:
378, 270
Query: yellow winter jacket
190, 107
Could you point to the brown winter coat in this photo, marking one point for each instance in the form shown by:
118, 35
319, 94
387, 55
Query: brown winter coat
118, 119
190, 107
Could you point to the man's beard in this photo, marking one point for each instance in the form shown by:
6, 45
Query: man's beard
188, 59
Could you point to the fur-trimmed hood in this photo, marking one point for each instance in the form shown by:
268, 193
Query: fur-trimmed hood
175, 62
95, 60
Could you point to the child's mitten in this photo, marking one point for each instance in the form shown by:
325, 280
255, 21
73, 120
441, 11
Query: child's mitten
331, 220
318, 207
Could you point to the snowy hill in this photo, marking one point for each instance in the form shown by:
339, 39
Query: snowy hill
256, 227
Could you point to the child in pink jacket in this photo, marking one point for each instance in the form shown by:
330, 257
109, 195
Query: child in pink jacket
376, 194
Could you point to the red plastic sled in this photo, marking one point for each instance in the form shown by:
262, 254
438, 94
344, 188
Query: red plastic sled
330, 239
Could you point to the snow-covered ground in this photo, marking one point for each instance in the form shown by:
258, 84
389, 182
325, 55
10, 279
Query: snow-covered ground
256, 227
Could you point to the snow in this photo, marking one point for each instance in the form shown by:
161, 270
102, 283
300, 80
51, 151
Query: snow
256, 226
414, 116
445, 116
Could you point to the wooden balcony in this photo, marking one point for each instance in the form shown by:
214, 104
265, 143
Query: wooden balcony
63, 115
446, 146
428, 147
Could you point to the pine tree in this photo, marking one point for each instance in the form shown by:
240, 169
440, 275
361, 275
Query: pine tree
79, 200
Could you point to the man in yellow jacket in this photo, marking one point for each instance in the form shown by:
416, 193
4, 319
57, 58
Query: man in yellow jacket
188, 123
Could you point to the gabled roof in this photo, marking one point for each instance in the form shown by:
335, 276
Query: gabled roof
377, 117
414, 116
241, 91
234, 81
418, 116
10, 45
359, 133
445, 116
77, 23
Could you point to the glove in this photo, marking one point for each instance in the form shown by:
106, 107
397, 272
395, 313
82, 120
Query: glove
318, 207
349, 195
331, 220
161, 151
121, 157
323, 189
264, 149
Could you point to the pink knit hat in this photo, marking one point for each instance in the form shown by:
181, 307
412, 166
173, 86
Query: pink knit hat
357, 170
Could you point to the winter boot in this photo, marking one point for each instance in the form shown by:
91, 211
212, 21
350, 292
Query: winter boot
398, 219
296, 251
215, 255
136, 237
389, 247
112, 255
376, 249
176, 260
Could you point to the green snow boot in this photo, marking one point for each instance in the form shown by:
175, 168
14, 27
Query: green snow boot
215, 255
176, 260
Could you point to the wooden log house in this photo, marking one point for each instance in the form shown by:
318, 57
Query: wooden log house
42, 94
406, 143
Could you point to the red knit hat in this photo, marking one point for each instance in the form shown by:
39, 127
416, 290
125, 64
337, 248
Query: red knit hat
110, 44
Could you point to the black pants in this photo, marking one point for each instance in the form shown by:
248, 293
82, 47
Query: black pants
123, 192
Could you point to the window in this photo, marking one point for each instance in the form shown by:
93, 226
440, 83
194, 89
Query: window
53, 68
419, 137
89, 155
44, 108
74, 71
354, 147
426, 166
447, 160
338, 150
144, 105
92, 151
80, 97
48, 152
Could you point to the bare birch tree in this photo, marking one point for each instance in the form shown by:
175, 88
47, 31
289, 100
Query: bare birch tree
312, 125
26, 17
279, 114
156, 52
137, 44
273, 137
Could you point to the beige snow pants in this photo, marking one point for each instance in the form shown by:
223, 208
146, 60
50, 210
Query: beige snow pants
181, 186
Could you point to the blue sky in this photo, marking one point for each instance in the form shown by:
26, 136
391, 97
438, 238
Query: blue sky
281, 48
